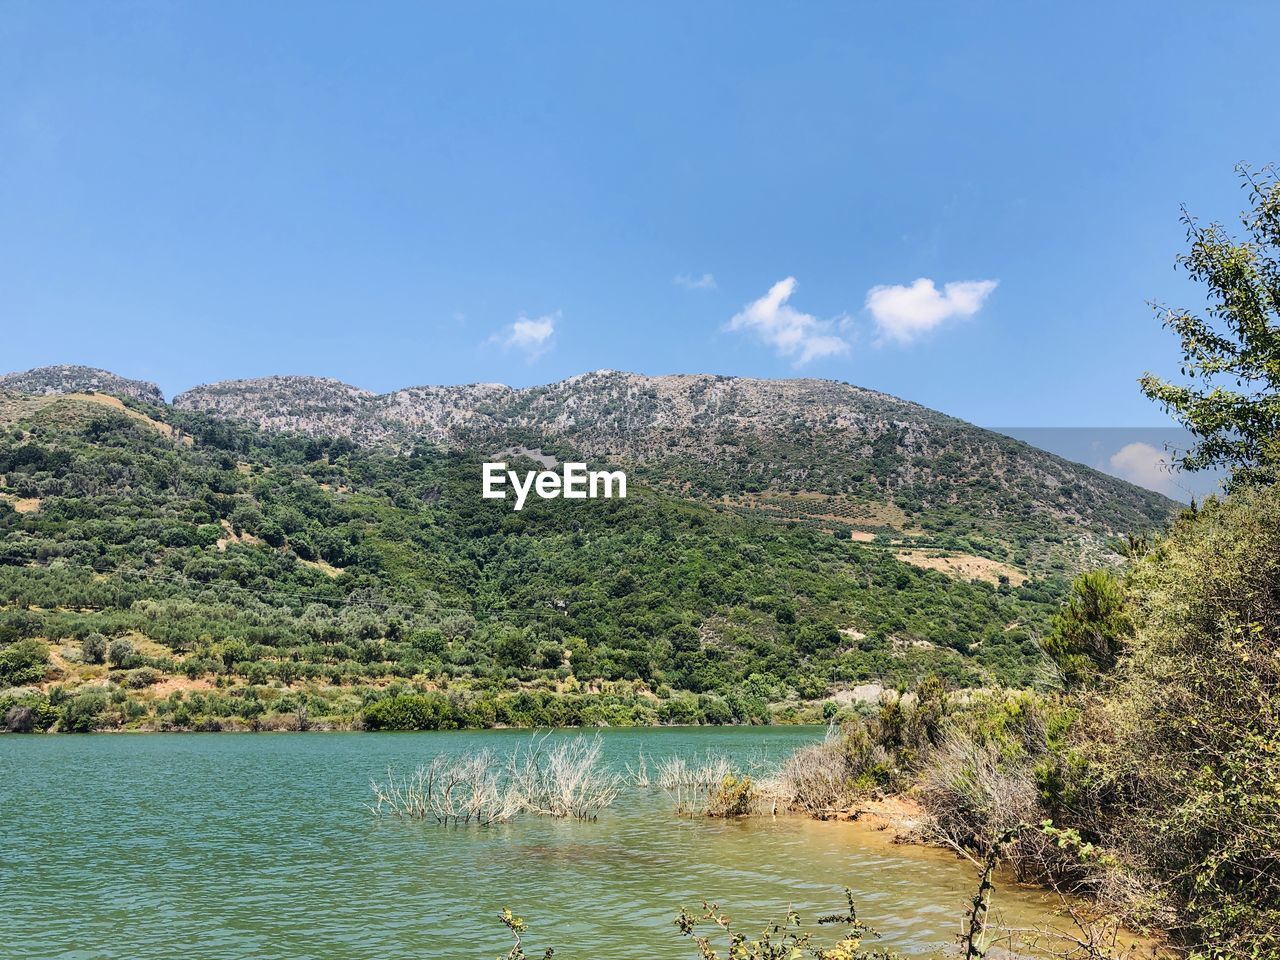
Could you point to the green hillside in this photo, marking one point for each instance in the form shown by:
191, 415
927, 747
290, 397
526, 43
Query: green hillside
166, 569
816, 451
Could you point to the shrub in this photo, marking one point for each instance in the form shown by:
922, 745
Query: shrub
22, 663
94, 648
415, 711
80, 714
735, 797
1087, 636
18, 625
974, 795
120, 653
825, 776
29, 715
780, 938
142, 677
1194, 735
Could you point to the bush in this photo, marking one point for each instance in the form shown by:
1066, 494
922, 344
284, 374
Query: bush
827, 776
22, 663
94, 648
974, 795
735, 797
416, 711
120, 653
1086, 638
1193, 739
142, 677
880, 752
18, 625
80, 714
30, 714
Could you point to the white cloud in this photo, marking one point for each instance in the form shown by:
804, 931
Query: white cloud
1143, 464
532, 336
690, 282
788, 331
905, 313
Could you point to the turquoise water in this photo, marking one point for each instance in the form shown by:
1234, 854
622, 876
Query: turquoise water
261, 846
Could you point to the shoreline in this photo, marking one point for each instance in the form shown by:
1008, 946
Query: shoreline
321, 728
895, 821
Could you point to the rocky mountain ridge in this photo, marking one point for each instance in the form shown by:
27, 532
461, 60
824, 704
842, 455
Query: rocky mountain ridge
804, 449
74, 378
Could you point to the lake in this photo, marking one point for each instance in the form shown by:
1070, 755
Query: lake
261, 846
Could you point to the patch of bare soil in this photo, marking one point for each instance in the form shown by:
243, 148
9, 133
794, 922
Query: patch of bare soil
116, 404
22, 504
328, 569
862, 693
233, 537
151, 648
963, 566
174, 683
899, 816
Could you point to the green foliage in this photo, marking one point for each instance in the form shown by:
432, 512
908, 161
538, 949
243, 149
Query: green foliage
517, 927
883, 751
120, 653
734, 797
81, 713
784, 939
1088, 635
1232, 357
420, 711
94, 648
26, 712
653, 609
1198, 721
1164, 782
22, 663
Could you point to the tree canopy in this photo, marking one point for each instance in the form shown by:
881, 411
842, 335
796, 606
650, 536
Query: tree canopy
1230, 394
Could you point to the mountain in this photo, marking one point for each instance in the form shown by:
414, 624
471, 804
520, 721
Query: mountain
293, 550
809, 450
162, 568
819, 452
69, 378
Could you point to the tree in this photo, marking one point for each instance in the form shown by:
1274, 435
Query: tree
1089, 633
1193, 730
513, 648
120, 652
1231, 355
94, 647
23, 662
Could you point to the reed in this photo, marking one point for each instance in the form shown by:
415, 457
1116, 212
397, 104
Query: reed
714, 785
449, 790
638, 776
564, 779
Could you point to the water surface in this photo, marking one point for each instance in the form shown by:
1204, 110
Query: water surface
260, 846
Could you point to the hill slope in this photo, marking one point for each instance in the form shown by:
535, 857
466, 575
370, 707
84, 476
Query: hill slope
162, 568
814, 450
70, 378
818, 452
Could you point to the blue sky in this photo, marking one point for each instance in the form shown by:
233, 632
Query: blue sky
967, 205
